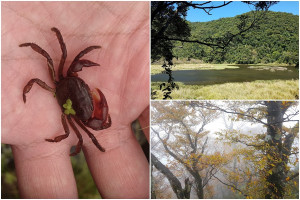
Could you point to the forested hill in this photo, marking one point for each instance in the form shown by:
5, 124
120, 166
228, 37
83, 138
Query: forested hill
276, 40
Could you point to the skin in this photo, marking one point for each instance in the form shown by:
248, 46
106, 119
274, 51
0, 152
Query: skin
122, 29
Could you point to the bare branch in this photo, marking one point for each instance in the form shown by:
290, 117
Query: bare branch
232, 186
200, 6
215, 107
294, 176
170, 152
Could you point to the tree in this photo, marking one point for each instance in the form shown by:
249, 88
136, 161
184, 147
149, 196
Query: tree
180, 130
272, 154
168, 25
159, 190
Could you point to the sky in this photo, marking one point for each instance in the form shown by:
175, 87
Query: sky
237, 8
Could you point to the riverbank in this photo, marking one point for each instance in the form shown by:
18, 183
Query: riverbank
255, 90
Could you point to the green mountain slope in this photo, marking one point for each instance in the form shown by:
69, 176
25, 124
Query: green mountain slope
275, 40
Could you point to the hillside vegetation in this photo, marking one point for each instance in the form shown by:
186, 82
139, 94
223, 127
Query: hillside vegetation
275, 40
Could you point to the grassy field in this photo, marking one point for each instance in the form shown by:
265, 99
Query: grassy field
256, 90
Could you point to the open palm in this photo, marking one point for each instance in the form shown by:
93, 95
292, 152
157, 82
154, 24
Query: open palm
122, 30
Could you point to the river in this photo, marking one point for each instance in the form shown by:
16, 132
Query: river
244, 73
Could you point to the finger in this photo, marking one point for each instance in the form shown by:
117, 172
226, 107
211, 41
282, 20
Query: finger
42, 174
144, 122
122, 171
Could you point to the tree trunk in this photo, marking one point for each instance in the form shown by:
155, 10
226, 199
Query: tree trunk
275, 169
174, 182
153, 195
187, 188
199, 185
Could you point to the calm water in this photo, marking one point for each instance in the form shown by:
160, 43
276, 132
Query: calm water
241, 74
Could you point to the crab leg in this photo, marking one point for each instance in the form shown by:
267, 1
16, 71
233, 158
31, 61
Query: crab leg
95, 141
66, 128
41, 83
77, 64
64, 52
45, 54
79, 144
85, 51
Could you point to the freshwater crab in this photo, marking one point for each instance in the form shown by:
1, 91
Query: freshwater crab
74, 96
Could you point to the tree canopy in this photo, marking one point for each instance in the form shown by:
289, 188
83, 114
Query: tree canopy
276, 39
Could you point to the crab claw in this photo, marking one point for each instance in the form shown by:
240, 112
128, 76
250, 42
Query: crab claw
101, 119
78, 65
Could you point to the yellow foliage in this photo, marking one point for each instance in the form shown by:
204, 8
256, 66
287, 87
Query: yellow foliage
286, 103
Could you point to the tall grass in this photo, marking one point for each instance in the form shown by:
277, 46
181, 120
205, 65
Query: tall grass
256, 90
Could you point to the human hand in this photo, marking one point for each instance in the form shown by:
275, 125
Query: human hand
122, 29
